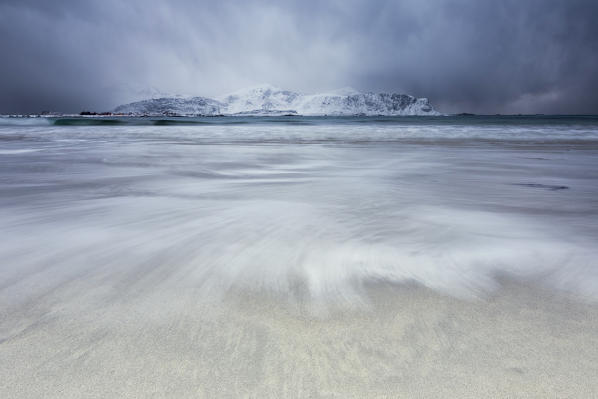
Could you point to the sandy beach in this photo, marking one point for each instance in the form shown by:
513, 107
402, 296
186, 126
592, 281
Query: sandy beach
403, 341
341, 259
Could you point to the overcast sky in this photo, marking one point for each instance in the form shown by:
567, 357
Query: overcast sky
511, 56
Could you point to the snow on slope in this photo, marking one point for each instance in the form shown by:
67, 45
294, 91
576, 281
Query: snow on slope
172, 105
261, 99
366, 104
270, 100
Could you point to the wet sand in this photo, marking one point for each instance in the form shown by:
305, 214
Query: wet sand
402, 341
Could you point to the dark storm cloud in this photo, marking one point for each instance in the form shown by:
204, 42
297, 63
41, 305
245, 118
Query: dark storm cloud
477, 56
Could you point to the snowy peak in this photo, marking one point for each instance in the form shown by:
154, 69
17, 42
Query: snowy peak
260, 99
260, 90
343, 91
271, 100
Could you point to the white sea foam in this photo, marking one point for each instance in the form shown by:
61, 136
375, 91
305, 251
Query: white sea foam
18, 151
300, 210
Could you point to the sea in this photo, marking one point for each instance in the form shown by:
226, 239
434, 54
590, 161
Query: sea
310, 207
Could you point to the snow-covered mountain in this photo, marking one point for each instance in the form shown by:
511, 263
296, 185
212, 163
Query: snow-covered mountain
172, 106
270, 100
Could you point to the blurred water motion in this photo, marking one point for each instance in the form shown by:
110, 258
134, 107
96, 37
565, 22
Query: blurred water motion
317, 208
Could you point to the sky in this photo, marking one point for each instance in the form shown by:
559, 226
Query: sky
480, 56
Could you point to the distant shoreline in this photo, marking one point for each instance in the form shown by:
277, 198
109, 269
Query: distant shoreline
93, 114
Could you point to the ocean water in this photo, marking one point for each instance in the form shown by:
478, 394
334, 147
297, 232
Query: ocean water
313, 207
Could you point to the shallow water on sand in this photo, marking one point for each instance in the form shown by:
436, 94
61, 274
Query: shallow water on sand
138, 234
329, 205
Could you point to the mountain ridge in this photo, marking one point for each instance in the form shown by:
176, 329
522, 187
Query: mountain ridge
270, 100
